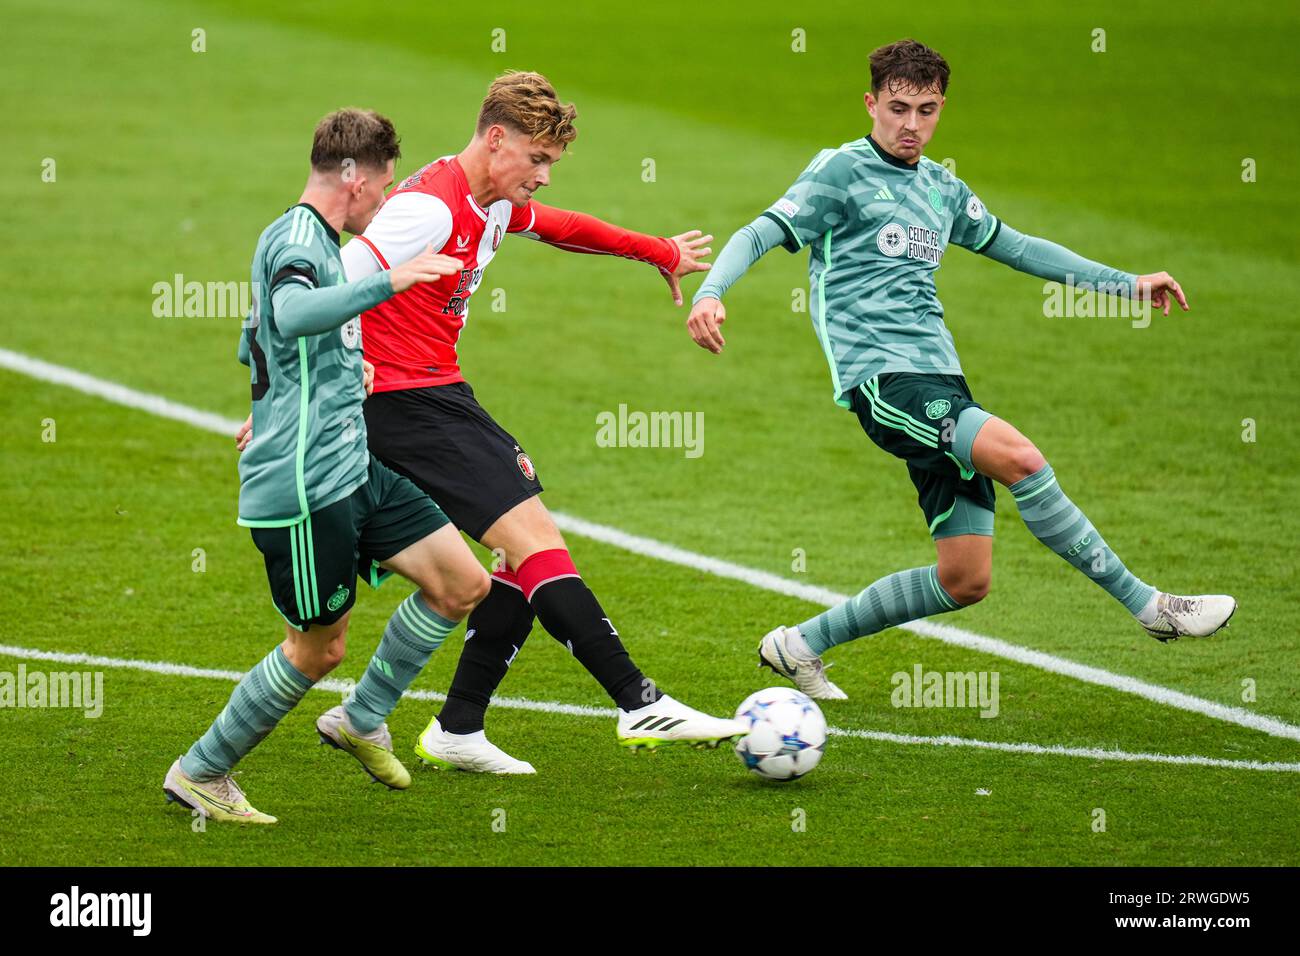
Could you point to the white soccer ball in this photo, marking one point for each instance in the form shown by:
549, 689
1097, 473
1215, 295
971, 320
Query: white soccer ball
787, 733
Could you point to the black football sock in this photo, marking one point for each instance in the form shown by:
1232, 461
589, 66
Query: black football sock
570, 612
495, 633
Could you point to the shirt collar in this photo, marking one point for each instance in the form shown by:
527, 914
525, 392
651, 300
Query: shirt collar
329, 230
464, 184
891, 158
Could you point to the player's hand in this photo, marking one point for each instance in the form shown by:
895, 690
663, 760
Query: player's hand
703, 324
428, 266
367, 377
1161, 288
693, 246
244, 435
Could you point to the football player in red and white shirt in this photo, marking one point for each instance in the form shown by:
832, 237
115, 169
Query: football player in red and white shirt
423, 421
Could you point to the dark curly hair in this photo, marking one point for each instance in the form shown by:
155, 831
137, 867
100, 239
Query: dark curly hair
908, 65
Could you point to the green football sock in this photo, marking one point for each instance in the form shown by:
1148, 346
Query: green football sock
260, 701
413, 633
894, 599
1057, 522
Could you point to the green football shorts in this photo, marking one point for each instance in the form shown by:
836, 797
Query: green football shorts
914, 417
312, 566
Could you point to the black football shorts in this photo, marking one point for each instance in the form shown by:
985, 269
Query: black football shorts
453, 450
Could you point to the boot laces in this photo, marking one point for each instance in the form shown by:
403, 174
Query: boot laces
1181, 605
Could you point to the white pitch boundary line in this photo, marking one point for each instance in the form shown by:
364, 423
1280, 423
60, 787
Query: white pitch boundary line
648, 547
1088, 753
941, 632
608, 713
119, 394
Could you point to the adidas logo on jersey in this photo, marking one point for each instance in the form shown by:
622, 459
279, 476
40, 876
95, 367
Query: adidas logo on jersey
883, 194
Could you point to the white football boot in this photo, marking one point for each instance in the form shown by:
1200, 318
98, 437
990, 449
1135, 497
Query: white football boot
1198, 616
471, 752
808, 673
668, 721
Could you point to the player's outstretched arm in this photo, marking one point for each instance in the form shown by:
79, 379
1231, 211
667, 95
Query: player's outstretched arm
742, 250
303, 310
578, 232
1048, 260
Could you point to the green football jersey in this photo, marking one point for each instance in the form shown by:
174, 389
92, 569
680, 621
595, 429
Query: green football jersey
877, 229
309, 435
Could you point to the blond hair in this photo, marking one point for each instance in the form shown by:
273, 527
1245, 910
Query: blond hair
527, 102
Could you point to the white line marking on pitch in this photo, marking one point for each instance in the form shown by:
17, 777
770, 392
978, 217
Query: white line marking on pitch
608, 713
941, 632
1088, 753
648, 547
119, 394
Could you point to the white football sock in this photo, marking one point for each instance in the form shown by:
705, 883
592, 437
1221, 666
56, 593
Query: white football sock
1149, 613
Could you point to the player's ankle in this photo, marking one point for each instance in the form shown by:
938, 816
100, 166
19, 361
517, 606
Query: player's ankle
1149, 611
796, 645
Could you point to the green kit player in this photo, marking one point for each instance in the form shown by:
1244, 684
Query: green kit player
321, 509
877, 219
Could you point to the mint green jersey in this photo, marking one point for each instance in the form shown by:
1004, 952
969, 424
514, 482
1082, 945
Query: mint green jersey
877, 229
309, 436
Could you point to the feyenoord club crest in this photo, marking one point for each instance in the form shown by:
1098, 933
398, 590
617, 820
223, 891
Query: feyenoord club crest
526, 466
496, 236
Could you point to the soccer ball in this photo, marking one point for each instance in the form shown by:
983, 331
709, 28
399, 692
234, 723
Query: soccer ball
787, 733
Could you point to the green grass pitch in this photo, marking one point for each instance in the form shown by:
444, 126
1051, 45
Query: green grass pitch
169, 161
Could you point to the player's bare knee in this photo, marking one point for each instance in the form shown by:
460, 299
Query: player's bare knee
315, 658
331, 646
964, 585
456, 601
1025, 460
477, 589
972, 590
331, 656
543, 533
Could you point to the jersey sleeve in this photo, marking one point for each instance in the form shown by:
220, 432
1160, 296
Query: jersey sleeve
522, 218
301, 311
298, 258
816, 202
404, 225
973, 226
579, 232
742, 250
